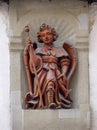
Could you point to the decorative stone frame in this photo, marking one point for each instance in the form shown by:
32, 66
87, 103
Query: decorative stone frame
66, 15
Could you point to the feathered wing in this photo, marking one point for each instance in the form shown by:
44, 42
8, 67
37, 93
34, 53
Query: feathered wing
69, 48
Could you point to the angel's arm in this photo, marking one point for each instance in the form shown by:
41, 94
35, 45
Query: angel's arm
35, 61
65, 64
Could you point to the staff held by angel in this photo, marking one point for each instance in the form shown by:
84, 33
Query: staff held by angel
48, 70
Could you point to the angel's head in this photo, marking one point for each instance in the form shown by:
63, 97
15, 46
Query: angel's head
46, 34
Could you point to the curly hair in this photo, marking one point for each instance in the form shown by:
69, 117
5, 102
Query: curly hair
44, 27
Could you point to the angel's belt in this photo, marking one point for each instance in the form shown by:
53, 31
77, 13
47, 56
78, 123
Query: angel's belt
49, 59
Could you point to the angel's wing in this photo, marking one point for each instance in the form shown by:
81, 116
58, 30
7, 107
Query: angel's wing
69, 48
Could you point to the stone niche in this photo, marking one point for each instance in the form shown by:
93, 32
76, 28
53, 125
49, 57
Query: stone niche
70, 19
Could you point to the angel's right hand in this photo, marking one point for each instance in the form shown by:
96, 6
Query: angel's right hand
28, 41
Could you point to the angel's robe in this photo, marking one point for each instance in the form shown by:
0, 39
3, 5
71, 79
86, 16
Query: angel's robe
54, 60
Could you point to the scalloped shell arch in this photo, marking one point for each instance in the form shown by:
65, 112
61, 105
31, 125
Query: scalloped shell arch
65, 30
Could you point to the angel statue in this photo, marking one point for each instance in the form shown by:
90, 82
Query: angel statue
48, 70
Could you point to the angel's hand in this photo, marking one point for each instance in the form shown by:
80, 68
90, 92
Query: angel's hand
28, 41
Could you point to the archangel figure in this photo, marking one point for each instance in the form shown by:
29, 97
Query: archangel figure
48, 70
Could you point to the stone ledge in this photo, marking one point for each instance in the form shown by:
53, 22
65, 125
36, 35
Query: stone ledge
62, 119
57, 113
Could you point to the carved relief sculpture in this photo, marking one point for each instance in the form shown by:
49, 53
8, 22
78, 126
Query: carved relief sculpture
48, 70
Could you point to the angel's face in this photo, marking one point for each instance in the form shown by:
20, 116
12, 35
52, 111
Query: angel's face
47, 36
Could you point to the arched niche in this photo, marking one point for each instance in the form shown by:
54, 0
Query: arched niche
64, 20
66, 32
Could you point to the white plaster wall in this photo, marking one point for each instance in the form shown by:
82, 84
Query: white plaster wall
4, 70
93, 68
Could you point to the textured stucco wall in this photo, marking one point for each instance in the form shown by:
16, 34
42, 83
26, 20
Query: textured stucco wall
5, 123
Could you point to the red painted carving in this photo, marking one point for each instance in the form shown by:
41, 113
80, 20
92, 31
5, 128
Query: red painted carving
48, 70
